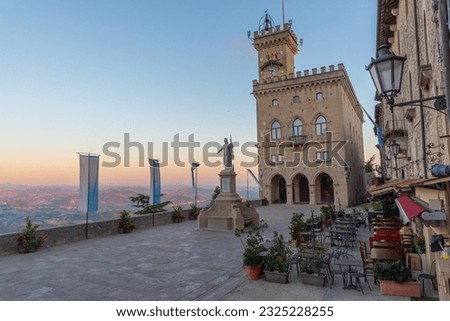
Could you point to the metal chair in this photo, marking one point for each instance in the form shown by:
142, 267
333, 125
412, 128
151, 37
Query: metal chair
368, 263
429, 276
358, 275
331, 270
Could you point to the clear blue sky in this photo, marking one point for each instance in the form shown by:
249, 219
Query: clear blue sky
77, 74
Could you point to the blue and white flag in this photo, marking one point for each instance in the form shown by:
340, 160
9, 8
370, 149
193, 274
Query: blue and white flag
88, 183
155, 182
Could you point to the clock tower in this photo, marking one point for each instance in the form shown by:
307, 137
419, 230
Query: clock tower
276, 49
309, 126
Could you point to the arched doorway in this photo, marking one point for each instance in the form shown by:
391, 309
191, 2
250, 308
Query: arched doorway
278, 187
300, 186
326, 189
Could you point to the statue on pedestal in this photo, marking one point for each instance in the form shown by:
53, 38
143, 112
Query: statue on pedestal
228, 154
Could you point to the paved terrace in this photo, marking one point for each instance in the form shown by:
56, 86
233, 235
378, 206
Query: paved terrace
170, 262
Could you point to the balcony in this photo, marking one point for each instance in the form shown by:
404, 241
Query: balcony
298, 140
397, 133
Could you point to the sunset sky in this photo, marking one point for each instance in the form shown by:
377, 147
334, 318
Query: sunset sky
78, 74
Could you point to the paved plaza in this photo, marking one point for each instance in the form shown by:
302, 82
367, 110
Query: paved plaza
170, 262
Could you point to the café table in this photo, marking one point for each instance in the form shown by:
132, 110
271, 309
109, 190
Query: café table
386, 244
315, 245
348, 264
342, 237
384, 253
344, 226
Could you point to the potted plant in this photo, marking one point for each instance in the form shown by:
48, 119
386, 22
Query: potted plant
125, 225
419, 244
312, 269
276, 261
395, 279
28, 240
194, 212
253, 249
296, 226
177, 215
399, 132
327, 215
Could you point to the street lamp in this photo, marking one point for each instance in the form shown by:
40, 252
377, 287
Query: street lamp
395, 149
386, 72
194, 167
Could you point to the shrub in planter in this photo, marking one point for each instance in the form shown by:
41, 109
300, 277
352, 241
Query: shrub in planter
313, 269
28, 241
125, 225
276, 261
177, 215
395, 279
297, 225
392, 271
194, 212
315, 264
253, 247
327, 215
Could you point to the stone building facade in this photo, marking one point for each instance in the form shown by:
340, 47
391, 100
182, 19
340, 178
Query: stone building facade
309, 126
414, 29
422, 78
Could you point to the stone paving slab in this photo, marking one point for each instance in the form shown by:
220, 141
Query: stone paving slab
170, 262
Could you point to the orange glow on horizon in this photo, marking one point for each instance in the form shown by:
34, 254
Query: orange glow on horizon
54, 173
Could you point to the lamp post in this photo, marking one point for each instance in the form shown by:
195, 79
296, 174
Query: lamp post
395, 149
194, 167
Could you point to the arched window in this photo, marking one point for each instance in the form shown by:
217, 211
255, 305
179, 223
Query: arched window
296, 100
321, 126
319, 96
297, 127
276, 130
274, 102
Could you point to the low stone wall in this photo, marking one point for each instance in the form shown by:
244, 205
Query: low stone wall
73, 233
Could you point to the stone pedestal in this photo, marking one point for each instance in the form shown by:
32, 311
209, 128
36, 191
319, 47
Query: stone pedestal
228, 212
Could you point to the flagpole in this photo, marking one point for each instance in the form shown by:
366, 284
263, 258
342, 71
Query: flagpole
153, 169
283, 12
87, 205
247, 186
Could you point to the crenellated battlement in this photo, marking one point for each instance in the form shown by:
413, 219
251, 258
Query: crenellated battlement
264, 32
302, 74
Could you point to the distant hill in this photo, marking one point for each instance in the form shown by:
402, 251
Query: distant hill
51, 206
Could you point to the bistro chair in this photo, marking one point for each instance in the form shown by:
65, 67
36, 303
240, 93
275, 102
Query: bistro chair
407, 243
349, 239
429, 276
358, 275
363, 245
368, 263
331, 270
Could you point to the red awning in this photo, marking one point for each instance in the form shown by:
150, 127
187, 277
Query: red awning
408, 208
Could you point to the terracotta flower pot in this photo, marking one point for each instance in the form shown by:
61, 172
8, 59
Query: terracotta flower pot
253, 273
